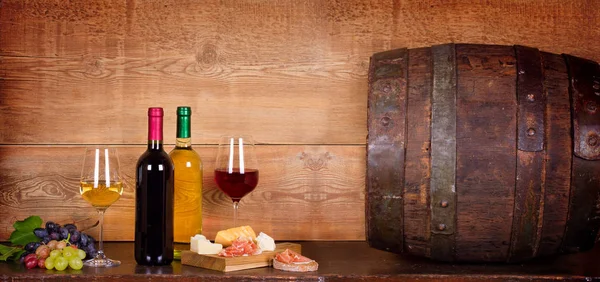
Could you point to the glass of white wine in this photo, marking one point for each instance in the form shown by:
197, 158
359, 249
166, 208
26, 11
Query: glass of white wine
101, 186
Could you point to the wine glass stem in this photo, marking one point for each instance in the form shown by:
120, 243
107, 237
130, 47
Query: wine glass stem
100, 243
235, 212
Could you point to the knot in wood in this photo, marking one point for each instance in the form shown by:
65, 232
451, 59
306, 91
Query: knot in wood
207, 55
316, 163
93, 66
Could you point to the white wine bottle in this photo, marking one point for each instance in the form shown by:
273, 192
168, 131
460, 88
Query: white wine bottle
188, 181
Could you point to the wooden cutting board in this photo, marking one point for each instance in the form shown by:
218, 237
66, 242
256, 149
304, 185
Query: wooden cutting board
216, 262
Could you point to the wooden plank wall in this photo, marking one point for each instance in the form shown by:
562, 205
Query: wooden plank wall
292, 73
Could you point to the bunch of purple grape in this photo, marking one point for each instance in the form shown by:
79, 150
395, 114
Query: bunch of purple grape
67, 233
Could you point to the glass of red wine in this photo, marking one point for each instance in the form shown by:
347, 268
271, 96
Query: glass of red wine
236, 168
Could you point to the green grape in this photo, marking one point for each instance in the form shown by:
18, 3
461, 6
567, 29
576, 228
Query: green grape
69, 252
76, 263
67, 249
81, 253
61, 263
55, 253
49, 263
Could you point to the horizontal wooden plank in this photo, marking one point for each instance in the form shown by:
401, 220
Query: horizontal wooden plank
105, 101
304, 192
279, 31
293, 67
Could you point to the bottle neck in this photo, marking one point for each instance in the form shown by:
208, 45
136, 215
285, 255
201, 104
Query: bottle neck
184, 138
155, 145
183, 142
155, 132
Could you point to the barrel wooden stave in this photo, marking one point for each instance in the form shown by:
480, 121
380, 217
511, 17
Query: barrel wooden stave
497, 218
486, 149
417, 164
558, 153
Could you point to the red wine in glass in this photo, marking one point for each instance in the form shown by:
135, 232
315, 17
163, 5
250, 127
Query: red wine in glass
236, 168
235, 184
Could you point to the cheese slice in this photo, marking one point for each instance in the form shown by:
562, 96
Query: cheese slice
265, 242
201, 245
208, 248
225, 237
195, 240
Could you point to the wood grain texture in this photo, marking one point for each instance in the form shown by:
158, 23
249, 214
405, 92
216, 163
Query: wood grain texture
486, 150
305, 192
417, 172
528, 206
240, 60
559, 151
531, 128
289, 72
227, 32
245, 99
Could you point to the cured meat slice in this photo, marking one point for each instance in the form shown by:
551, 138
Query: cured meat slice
289, 256
289, 260
240, 247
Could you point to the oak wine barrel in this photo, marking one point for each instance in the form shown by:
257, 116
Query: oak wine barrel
482, 153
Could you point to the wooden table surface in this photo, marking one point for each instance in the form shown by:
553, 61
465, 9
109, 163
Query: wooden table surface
338, 261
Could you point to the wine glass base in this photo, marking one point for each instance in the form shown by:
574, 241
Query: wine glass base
101, 262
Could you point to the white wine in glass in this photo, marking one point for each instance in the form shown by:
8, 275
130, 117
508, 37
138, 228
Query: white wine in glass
101, 186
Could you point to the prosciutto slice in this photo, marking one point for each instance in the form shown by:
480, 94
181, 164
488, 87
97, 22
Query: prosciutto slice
289, 256
242, 246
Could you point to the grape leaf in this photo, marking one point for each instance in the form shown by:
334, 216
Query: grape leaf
28, 224
7, 252
4, 249
23, 237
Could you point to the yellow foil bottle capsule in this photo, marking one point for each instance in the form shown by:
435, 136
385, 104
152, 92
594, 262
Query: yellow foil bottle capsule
187, 220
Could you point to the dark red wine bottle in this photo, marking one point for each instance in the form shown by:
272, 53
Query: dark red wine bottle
154, 198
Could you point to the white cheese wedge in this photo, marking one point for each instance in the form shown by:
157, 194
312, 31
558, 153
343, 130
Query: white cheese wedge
194, 242
208, 248
265, 242
199, 244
